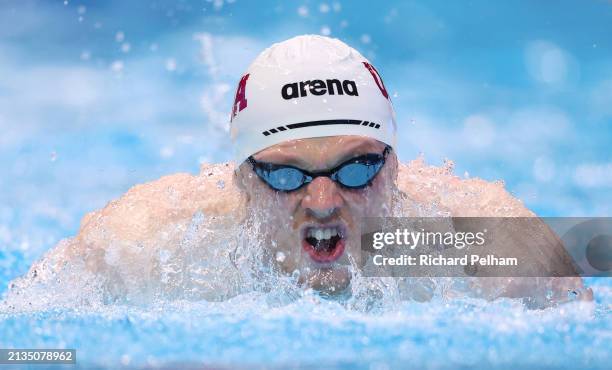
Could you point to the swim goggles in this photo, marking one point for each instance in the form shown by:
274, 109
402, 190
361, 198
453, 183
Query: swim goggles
355, 173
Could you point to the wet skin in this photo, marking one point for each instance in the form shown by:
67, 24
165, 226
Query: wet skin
319, 205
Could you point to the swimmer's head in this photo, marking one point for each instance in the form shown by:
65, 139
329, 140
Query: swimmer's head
313, 131
309, 86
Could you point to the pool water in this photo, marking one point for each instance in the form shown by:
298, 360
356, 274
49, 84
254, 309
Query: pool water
146, 88
169, 317
308, 331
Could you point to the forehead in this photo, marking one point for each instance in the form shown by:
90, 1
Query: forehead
321, 152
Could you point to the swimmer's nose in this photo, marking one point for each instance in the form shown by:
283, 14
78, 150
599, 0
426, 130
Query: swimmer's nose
322, 197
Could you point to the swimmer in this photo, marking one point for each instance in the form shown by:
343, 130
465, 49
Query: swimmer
314, 137
314, 130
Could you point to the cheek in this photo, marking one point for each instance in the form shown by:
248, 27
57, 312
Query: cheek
276, 210
269, 201
283, 206
373, 200
368, 195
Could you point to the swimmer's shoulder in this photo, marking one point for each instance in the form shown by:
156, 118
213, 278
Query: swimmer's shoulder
146, 208
459, 196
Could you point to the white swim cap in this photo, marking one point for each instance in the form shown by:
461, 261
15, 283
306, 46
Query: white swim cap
309, 86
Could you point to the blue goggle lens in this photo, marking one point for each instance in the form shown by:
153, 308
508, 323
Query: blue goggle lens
357, 175
284, 179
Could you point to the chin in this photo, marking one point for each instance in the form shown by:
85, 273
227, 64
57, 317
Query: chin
328, 280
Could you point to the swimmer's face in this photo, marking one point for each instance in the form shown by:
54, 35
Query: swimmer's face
315, 230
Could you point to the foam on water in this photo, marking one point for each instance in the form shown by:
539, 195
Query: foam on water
174, 271
311, 331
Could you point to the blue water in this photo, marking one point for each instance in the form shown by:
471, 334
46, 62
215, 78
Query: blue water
261, 330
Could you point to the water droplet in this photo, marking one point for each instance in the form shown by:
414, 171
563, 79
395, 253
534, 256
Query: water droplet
280, 257
449, 166
164, 255
220, 184
125, 360
166, 152
171, 64
549, 294
302, 11
295, 275
117, 66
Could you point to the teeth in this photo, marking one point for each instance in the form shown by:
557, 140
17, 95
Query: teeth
319, 234
322, 233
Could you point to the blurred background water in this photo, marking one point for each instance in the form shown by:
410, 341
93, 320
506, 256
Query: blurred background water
96, 96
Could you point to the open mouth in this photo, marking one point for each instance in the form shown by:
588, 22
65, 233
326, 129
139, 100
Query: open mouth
324, 243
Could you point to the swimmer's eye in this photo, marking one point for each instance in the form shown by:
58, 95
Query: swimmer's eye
355, 173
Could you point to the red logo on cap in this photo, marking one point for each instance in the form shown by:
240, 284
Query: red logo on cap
240, 101
377, 79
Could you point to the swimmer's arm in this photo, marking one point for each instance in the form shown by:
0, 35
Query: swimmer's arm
543, 256
154, 212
